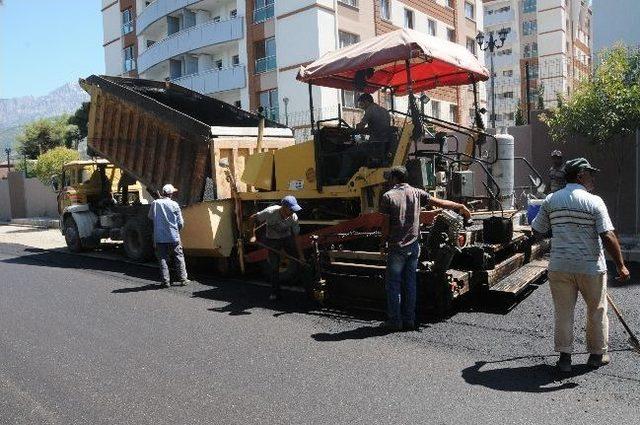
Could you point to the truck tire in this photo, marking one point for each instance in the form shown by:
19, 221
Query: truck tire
71, 235
137, 235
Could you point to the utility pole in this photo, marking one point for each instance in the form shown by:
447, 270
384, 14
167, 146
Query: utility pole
527, 91
492, 44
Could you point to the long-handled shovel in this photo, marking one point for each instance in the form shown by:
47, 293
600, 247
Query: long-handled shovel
633, 340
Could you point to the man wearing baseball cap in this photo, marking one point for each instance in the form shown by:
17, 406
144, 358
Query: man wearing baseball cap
282, 228
167, 223
401, 208
556, 172
580, 226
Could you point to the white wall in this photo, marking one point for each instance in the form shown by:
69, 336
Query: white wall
111, 23
113, 58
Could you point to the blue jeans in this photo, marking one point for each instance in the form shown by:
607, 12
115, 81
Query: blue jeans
401, 283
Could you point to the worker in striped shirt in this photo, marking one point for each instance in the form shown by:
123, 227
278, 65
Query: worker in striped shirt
580, 226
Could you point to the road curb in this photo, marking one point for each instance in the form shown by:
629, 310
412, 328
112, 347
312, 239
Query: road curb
41, 222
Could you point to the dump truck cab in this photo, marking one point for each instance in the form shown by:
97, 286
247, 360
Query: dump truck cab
98, 201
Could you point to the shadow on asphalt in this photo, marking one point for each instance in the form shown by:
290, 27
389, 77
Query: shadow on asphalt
541, 378
150, 287
362, 332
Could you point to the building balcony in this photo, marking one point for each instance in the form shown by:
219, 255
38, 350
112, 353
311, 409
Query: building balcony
265, 64
214, 80
157, 10
502, 18
197, 37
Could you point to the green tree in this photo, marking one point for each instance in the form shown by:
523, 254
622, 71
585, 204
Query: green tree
541, 97
50, 163
44, 134
519, 116
81, 120
29, 165
605, 109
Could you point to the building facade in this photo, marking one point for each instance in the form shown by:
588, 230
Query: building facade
120, 42
248, 52
546, 53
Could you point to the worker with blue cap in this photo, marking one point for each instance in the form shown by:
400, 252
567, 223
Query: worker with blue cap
282, 229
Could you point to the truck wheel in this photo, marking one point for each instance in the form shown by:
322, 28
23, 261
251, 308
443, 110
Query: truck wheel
137, 235
71, 235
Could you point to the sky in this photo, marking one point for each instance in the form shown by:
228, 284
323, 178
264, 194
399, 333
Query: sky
47, 43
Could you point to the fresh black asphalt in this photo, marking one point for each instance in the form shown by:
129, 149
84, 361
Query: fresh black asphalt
94, 341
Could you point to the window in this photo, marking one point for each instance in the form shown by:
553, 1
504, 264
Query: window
529, 6
352, 3
408, 18
508, 73
385, 9
349, 98
127, 21
504, 52
265, 55
451, 3
507, 95
435, 109
471, 45
526, 51
533, 70
469, 11
347, 39
128, 61
529, 27
235, 60
269, 101
433, 27
262, 10
233, 14
453, 113
219, 63
451, 35
534, 49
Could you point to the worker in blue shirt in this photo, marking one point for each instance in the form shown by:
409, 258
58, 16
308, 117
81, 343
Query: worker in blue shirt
167, 223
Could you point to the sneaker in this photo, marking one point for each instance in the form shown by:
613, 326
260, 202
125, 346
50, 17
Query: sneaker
597, 360
165, 284
184, 282
274, 297
391, 326
564, 363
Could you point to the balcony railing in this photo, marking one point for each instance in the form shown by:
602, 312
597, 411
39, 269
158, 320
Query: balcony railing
264, 13
128, 65
265, 64
158, 9
127, 27
214, 80
206, 34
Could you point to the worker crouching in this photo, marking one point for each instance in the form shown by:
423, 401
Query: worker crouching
282, 229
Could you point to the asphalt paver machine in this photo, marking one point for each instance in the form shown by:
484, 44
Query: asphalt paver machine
340, 221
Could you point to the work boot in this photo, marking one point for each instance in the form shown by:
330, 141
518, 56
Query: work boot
564, 363
597, 360
391, 326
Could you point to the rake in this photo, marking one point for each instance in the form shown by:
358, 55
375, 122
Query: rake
633, 340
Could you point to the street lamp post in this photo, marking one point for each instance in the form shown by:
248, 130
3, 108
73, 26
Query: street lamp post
491, 45
286, 111
8, 152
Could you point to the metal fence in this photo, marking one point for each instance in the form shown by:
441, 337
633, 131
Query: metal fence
536, 84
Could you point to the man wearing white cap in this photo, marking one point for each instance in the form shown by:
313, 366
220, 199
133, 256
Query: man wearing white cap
167, 223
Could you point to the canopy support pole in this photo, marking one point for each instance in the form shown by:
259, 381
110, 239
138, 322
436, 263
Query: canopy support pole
313, 121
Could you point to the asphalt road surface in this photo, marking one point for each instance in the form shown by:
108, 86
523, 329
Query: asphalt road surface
90, 340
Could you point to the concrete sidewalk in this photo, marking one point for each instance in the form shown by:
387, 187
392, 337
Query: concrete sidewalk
43, 222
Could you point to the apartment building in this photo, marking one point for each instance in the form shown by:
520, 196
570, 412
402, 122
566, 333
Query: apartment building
119, 42
549, 38
248, 52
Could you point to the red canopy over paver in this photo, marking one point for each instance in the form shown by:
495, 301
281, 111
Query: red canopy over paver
434, 63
